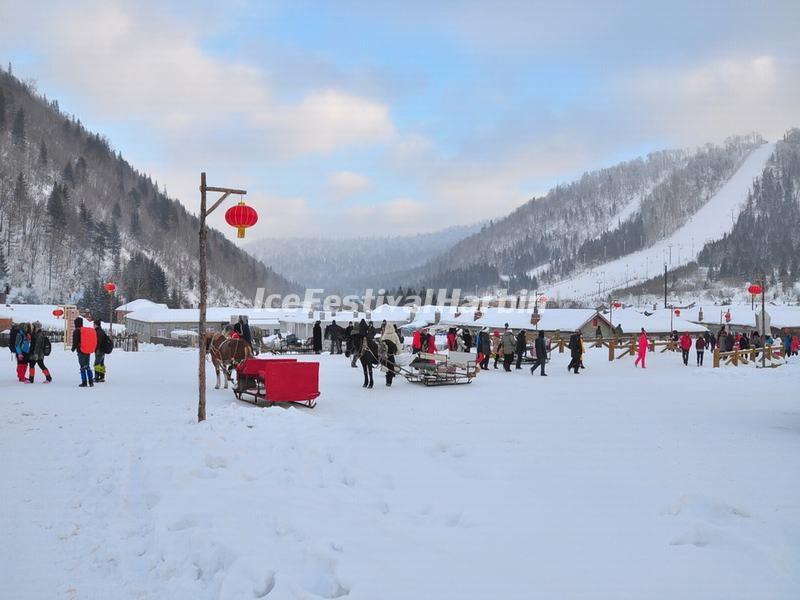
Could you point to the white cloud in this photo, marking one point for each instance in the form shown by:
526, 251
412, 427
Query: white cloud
135, 62
346, 184
714, 99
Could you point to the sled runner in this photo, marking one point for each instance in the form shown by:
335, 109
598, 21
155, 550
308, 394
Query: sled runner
277, 381
441, 369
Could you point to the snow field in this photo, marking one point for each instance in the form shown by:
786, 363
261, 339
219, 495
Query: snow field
673, 482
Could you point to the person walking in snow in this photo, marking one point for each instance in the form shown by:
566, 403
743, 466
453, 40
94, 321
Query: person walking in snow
12, 343
40, 347
484, 348
22, 348
359, 334
509, 345
540, 348
522, 346
84, 342
103, 343
700, 346
316, 338
392, 342
497, 346
575, 351
686, 346
641, 354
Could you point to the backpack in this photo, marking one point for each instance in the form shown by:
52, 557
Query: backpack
108, 344
46, 346
12, 339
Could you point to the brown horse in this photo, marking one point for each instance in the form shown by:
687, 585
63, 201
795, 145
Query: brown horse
225, 354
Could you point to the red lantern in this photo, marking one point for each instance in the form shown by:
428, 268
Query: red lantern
110, 287
754, 289
617, 304
58, 312
677, 312
594, 322
241, 216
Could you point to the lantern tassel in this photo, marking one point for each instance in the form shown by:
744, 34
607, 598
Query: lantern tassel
240, 232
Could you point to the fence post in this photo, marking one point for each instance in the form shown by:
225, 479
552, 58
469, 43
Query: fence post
560, 346
612, 346
735, 358
716, 357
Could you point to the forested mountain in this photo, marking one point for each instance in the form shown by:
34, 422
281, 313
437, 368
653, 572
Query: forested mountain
354, 264
605, 214
766, 237
74, 213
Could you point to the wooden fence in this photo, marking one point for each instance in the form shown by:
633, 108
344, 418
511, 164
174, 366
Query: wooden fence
630, 347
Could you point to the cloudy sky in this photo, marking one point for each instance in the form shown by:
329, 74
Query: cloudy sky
352, 118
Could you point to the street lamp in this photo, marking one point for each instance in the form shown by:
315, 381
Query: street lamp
241, 219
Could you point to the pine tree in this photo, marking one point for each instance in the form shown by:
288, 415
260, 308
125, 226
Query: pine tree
3, 119
42, 154
18, 129
3, 266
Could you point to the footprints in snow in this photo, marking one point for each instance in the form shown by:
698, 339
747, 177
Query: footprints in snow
707, 520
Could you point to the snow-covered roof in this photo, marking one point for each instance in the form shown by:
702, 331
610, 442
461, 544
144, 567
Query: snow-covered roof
28, 313
396, 314
660, 321
214, 314
741, 315
551, 319
784, 316
139, 304
324, 316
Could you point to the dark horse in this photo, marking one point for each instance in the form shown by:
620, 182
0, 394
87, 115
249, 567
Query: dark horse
369, 357
225, 353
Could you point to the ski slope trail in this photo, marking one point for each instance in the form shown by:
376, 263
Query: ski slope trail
711, 222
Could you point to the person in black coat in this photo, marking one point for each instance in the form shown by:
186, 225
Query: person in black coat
348, 339
575, 351
358, 335
522, 346
541, 354
316, 338
485, 347
467, 337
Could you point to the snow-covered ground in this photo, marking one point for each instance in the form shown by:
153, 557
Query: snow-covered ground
710, 223
618, 483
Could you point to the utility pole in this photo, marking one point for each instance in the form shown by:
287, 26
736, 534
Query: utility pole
203, 283
763, 322
665, 285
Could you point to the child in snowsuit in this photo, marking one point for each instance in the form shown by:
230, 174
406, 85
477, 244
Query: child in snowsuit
22, 347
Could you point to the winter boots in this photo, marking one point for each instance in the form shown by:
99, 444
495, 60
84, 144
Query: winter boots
86, 377
32, 375
99, 373
21, 368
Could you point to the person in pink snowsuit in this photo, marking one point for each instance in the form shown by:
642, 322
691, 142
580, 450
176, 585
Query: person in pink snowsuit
642, 353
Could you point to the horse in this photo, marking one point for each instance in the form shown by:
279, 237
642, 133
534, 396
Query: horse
369, 357
225, 354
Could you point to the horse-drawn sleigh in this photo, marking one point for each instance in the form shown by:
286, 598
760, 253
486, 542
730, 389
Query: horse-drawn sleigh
259, 380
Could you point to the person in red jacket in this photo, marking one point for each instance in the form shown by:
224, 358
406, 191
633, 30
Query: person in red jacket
641, 354
686, 345
416, 342
84, 341
700, 346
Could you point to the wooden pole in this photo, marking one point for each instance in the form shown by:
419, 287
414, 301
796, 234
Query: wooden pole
111, 315
201, 367
763, 322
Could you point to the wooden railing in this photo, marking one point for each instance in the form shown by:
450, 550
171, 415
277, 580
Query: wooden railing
744, 357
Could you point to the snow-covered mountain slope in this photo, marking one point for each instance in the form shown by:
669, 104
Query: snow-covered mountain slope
715, 219
602, 216
74, 213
